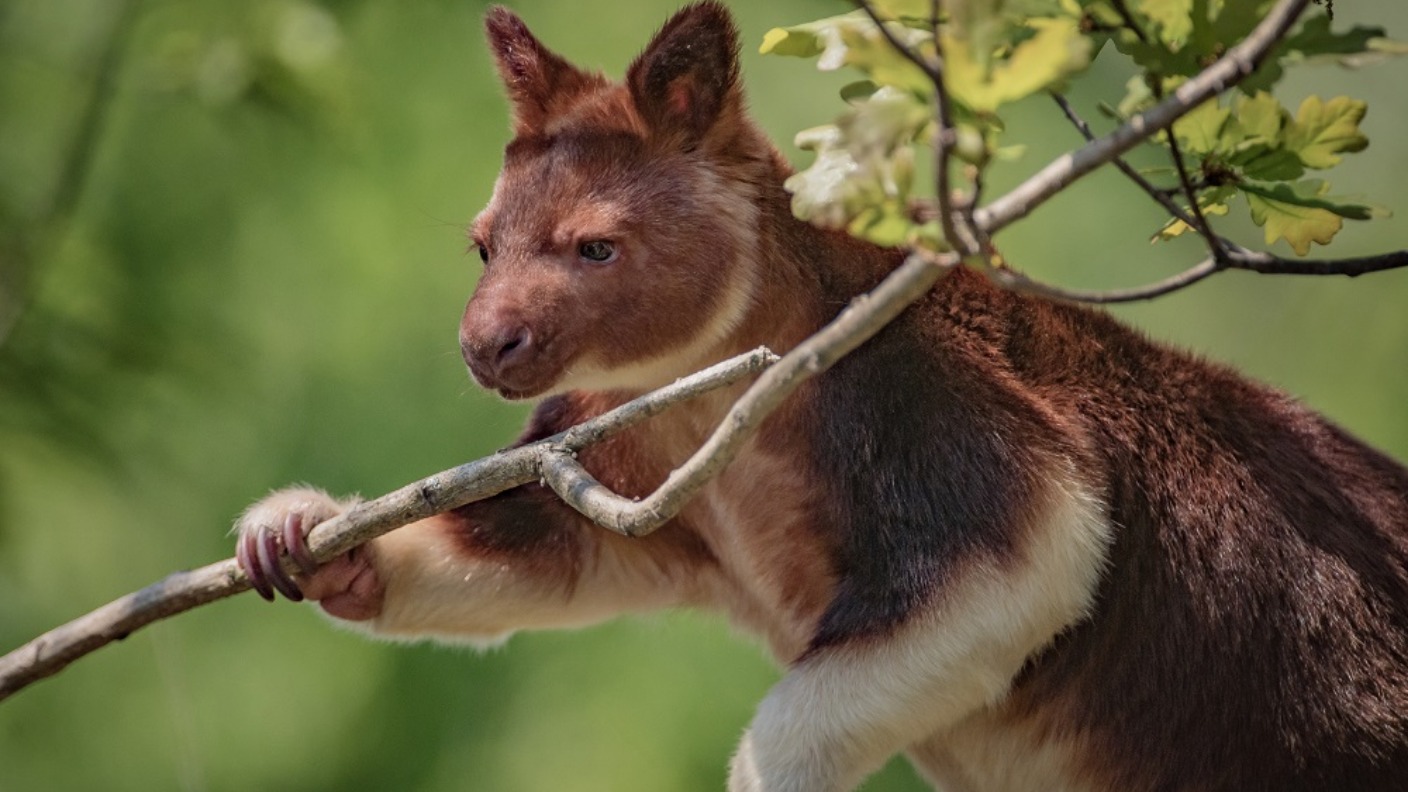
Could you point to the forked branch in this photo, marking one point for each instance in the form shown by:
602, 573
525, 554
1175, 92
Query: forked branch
51, 652
863, 318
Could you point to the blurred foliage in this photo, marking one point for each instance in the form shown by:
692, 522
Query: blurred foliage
232, 256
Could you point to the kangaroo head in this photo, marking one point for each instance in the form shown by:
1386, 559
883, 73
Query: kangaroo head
618, 243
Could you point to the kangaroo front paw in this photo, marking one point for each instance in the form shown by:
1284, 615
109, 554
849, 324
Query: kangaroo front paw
346, 586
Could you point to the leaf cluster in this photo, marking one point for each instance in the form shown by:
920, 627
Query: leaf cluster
991, 54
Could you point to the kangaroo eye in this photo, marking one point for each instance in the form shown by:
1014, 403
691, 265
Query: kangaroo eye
598, 251
483, 253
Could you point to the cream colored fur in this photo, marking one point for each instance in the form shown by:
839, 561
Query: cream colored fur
839, 715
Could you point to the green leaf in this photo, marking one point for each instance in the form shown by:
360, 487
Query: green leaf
1180, 36
1200, 130
1323, 130
853, 40
859, 90
1173, 20
796, 42
981, 24
1212, 202
1302, 213
1317, 40
1315, 43
1258, 117
886, 224
1056, 51
1267, 163
899, 9
1312, 193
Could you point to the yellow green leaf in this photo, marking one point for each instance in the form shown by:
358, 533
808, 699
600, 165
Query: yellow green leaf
884, 224
785, 41
1298, 225
1056, 50
981, 25
1173, 20
896, 9
853, 40
1322, 130
1259, 116
1302, 212
1200, 130
1386, 46
1213, 202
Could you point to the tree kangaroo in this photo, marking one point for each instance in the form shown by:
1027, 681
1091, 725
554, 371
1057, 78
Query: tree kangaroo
1012, 539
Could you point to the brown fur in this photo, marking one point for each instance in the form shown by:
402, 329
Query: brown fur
1015, 538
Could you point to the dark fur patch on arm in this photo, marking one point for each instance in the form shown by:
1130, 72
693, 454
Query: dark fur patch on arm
922, 474
527, 527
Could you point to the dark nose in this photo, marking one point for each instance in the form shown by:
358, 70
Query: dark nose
512, 347
498, 351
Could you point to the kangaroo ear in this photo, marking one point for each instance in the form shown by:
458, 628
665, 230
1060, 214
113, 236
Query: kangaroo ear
537, 79
688, 75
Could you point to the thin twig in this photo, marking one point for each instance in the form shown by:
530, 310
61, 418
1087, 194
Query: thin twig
52, 651
1159, 194
1234, 257
1129, 20
944, 137
903, 49
1016, 281
944, 141
1200, 224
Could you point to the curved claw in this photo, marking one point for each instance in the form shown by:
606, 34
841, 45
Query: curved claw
247, 553
269, 560
297, 544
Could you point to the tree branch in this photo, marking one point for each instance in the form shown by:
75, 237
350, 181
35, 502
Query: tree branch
51, 652
1267, 264
1234, 257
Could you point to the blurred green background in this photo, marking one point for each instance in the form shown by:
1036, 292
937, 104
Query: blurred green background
232, 257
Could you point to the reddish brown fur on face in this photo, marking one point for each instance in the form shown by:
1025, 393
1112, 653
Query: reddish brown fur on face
640, 168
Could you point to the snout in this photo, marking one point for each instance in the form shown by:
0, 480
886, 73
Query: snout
505, 353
